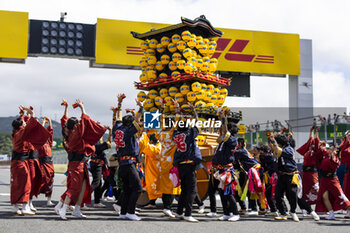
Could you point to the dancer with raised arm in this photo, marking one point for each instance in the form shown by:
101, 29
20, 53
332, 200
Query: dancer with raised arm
330, 196
345, 159
34, 170
223, 162
79, 138
309, 176
124, 134
22, 134
186, 157
287, 175
46, 165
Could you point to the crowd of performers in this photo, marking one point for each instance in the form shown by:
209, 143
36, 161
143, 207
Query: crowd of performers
170, 158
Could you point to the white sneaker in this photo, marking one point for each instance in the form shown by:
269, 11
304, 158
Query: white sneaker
272, 214
132, 217
201, 209
16, 210
295, 217
58, 207
315, 216
85, 207
190, 219
234, 218
32, 208
50, 204
253, 213
78, 214
211, 214
71, 207
62, 214
100, 205
330, 217
168, 213
117, 208
27, 211
122, 216
225, 217
179, 216
305, 214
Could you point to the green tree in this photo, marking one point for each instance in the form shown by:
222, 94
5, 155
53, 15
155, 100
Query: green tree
5, 143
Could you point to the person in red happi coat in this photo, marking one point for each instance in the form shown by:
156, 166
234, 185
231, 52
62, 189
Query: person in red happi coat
345, 159
46, 165
310, 173
79, 138
23, 134
330, 196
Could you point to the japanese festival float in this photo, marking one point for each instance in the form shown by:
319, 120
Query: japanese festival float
178, 64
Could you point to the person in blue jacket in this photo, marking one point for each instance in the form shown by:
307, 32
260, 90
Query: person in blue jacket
223, 159
287, 168
124, 135
186, 157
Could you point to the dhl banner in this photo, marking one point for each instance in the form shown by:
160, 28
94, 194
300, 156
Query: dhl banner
258, 52
237, 50
14, 29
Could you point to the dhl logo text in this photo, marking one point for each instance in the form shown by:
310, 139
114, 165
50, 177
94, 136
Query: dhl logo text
235, 52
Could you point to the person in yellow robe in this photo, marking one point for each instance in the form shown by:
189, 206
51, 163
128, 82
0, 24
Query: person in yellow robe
166, 157
162, 184
151, 148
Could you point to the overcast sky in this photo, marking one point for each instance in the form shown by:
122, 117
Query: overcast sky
42, 82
